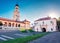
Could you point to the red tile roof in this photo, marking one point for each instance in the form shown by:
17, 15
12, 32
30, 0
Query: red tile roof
46, 18
5, 19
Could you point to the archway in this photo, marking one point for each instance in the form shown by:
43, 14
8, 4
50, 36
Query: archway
16, 25
12, 24
9, 24
19, 25
1, 23
43, 30
5, 24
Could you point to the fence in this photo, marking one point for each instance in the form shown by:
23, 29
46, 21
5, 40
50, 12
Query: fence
8, 29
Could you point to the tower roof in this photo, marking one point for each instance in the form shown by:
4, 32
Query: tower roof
17, 5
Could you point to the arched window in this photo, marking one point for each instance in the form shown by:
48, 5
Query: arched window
19, 25
16, 25
51, 29
12, 24
52, 22
5, 24
43, 22
9, 24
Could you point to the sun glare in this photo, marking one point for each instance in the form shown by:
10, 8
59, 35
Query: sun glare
53, 15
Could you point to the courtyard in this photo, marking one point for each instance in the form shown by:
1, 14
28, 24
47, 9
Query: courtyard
9, 36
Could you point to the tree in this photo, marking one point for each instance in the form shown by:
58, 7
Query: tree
58, 24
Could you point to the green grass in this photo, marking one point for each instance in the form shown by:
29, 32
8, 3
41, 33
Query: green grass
24, 31
30, 30
25, 39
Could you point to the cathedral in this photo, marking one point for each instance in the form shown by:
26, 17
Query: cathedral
15, 23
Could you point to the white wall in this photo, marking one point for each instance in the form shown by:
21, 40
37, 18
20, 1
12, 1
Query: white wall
49, 28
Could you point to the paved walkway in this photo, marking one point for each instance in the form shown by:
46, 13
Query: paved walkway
10, 34
50, 38
4, 36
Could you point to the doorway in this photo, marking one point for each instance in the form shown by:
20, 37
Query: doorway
43, 30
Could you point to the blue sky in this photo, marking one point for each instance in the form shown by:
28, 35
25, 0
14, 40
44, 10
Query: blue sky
30, 9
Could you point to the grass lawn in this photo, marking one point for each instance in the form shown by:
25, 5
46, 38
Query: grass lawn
25, 39
25, 31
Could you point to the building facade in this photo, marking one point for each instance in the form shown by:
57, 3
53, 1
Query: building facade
46, 24
14, 23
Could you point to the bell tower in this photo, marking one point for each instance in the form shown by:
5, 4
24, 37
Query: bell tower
16, 15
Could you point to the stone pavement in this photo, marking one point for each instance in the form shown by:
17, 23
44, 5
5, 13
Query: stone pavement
4, 36
10, 34
50, 38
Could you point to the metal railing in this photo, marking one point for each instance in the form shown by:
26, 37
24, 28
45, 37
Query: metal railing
2, 28
8, 29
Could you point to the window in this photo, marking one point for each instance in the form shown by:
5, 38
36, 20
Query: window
35, 23
5, 24
16, 25
52, 22
9, 24
51, 29
43, 22
19, 25
13, 24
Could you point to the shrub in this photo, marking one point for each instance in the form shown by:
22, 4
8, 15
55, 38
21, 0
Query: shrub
24, 31
31, 30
